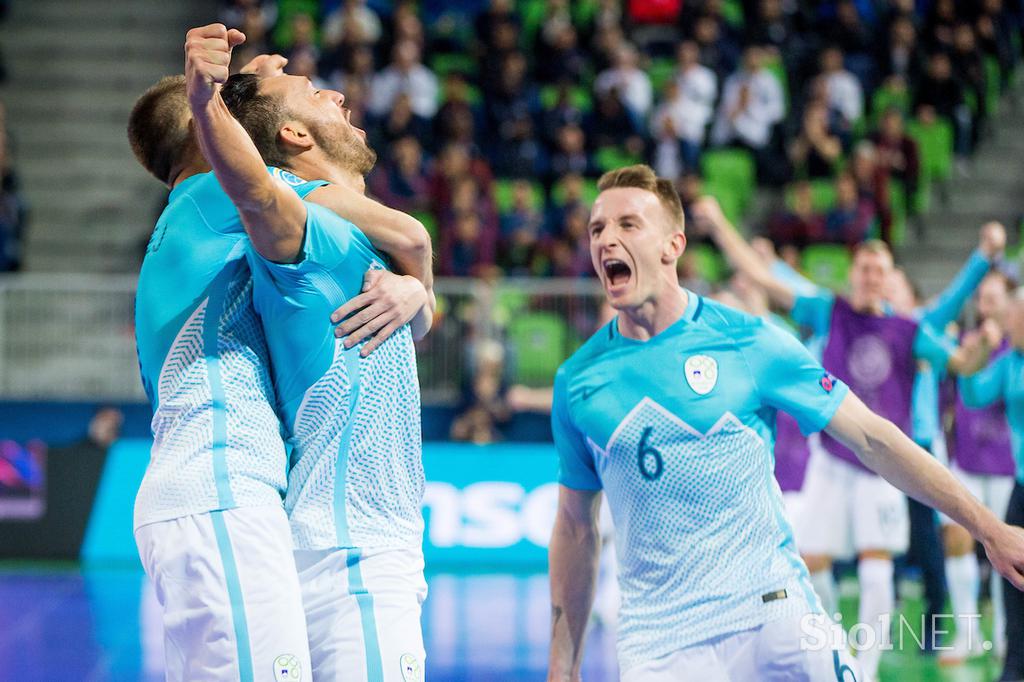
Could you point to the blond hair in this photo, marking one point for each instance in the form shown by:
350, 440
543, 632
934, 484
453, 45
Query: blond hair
643, 177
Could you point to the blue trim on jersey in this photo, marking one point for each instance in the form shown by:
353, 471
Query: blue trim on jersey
341, 470
700, 307
374, 664
227, 557
211, 323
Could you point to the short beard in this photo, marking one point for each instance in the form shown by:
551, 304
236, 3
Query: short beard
345, 149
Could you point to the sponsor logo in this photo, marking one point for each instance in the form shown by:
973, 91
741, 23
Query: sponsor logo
287, 668
828, 382
412, 671
701, 373
870, 361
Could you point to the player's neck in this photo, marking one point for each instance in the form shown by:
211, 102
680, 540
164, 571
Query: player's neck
311, 168
194, 168
867, 306
654, 315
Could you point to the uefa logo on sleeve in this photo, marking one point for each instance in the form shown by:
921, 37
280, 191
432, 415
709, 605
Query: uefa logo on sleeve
828, 382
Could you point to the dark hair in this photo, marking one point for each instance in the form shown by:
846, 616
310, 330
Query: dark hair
159, 131
260, 115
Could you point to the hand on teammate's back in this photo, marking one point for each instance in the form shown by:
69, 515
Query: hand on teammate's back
208, 59
388, 301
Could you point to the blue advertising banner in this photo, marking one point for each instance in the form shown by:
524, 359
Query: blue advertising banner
489, 506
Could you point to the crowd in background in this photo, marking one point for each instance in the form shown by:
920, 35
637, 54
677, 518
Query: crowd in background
12, 206
492, 119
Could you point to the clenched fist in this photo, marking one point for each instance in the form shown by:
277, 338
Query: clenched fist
207, 59
992, 241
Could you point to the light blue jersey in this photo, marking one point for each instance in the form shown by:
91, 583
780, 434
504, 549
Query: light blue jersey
938, 314
678, 431
356, 477
216, 440
1001, 380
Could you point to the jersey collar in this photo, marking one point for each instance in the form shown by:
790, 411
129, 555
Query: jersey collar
185, 184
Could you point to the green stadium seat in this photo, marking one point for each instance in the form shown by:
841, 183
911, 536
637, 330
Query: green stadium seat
710, 264
827, 265
445, 63
661, 71
733, 167
579, 96
774, 64
886, 97
898, 201
429, 221
539, 342
935, 143
823, 195
729, 197
532, 13
504, 193
732, 12
590, 192
610, 158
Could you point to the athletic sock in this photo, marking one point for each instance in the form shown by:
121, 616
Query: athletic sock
962, 577
877, 602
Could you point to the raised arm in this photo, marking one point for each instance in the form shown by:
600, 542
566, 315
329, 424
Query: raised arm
986, 387
739, 252
273, 215
947, 306
572, 563
886, 450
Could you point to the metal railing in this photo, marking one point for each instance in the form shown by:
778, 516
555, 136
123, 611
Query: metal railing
71, 337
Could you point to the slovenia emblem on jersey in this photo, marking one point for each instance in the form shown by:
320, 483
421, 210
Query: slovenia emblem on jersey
287, 668
412, 671
701, 373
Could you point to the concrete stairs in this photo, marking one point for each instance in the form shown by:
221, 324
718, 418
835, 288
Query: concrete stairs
75, 69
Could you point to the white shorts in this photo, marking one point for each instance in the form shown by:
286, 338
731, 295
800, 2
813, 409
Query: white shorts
847, 510
363, 614
227, 584
992, 491
785, 650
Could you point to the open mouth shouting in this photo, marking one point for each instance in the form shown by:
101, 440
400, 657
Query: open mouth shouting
617, 274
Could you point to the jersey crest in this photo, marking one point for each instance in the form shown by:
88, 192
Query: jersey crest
701, 373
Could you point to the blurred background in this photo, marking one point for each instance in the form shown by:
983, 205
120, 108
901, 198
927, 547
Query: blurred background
816, 124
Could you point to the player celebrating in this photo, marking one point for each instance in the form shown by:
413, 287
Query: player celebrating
356, 481
212, 494
1003, 381
852, 511
670, 409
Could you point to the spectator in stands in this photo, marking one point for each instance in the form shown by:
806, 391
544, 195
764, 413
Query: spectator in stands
563, 112
301, 36
629, 81
816, 150
469, 230
13, 211
718, 51
613, 126
940, 25
456, 161
255, 15
969, 71
512, 101
848, 33
484, 406
570, 253
680, 121
351, 22
497, 13
400, 121
940, 95
902, 54
873, 185
303, 63
456, 120
842, 87
850, 221
690, 188
799, 224
897, 151
521, 227
401, 181
752, 104
521, 155
570, 154
568, 196
406, 75
357, 65
995, 32
406, 25
561, 59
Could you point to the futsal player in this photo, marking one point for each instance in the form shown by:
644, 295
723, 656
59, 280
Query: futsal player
356, 479
210, 524
850, 511
669, 409
982, 455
